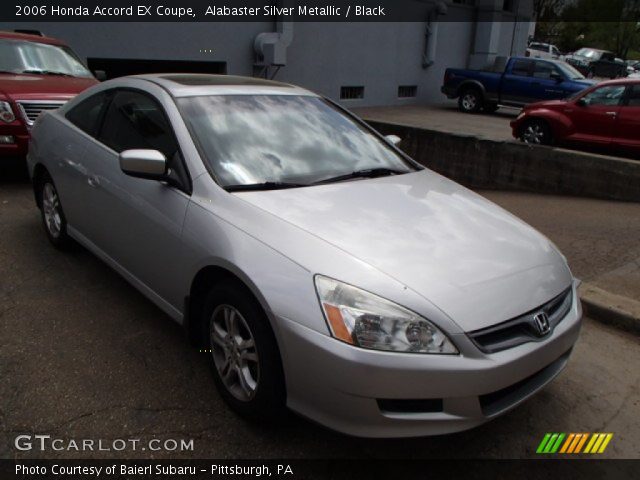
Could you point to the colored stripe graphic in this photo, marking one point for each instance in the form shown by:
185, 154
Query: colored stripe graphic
573, 443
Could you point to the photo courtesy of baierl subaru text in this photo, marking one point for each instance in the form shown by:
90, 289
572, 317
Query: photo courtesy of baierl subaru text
319, 239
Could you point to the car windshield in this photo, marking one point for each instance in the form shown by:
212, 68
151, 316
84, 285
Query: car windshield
283, 139
571, 72
588, 53
19, 56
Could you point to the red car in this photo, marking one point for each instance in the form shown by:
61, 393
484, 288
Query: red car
36, 73
604, 117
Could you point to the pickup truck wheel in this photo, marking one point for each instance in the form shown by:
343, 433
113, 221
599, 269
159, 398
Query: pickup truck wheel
470, 101
536, 132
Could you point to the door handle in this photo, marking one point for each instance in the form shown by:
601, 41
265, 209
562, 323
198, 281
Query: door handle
93, 181
613, 114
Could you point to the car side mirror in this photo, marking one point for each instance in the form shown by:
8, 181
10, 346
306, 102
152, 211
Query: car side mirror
582, 102
148, 164
100, 75
393, 139
557, 77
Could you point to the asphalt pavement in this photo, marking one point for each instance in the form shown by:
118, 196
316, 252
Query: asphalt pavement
84, 355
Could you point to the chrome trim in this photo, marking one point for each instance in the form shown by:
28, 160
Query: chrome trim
523, 329
28, 107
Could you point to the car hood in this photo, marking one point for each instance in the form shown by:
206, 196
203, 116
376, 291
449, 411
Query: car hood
545, 104
473, 260
50, 87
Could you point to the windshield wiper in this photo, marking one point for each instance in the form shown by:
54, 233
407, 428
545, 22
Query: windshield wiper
47, 72
366, 173
263, 186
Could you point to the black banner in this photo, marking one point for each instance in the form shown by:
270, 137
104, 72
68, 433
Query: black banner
317, 469
317, 10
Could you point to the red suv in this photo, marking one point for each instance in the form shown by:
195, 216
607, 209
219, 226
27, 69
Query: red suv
605, 116
36, 73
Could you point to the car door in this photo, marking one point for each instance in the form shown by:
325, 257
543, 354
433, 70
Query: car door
137, 222
516, 82
594, 115
547, 81
627, 131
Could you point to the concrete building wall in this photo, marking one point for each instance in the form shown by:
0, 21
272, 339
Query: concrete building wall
322, 56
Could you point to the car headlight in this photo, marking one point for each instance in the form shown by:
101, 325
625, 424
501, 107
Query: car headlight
6, 113
366, 320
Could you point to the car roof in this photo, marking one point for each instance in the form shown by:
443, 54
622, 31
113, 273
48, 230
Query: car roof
616, 81
30, 38
198, 84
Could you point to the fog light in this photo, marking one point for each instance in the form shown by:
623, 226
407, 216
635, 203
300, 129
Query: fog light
7, 139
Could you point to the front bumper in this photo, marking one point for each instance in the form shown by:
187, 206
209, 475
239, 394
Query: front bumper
348, 389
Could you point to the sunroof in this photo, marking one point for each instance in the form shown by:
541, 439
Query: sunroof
212, 80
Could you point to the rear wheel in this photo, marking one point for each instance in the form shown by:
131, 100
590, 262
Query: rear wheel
470, 100
536, 132
53, 219
245, 359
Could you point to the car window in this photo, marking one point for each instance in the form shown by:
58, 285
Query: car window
608, 57
87, 113
633, 100
608, 95
538, 46
251, 139
135, 120
555, 50
544, 70
521, 68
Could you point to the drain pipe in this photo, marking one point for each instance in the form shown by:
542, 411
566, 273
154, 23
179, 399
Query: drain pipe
271, 47
431, 33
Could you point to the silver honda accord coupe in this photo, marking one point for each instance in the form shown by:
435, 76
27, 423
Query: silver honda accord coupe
319, 267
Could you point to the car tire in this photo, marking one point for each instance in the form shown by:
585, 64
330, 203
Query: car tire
536, 132
52, 214
490, 107
470, 100
243, 352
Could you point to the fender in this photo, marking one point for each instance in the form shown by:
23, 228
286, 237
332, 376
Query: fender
561, 125
468, 83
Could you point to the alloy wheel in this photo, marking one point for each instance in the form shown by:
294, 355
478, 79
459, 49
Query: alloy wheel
469, 101
51, 210
533, 133
234, 352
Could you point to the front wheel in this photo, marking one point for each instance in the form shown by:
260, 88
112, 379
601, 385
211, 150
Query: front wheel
244, 355
536, 132
53, 219
470, 101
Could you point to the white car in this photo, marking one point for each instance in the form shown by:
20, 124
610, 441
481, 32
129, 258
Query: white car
542, 50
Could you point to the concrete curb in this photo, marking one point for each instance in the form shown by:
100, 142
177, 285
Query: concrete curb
615, 310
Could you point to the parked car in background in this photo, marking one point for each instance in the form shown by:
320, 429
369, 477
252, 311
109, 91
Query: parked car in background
37, 73
316, 264
593, 62
523, 80
542, 50
606, 116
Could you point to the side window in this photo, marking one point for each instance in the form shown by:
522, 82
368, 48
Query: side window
87, 113
634, 96
607, 57
135, 120
609, 95
521, 68
544, 70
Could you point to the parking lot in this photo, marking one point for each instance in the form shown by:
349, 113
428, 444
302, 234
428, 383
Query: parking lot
84, 355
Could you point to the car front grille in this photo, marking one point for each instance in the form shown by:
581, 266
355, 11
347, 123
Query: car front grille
31, 109
523, 329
